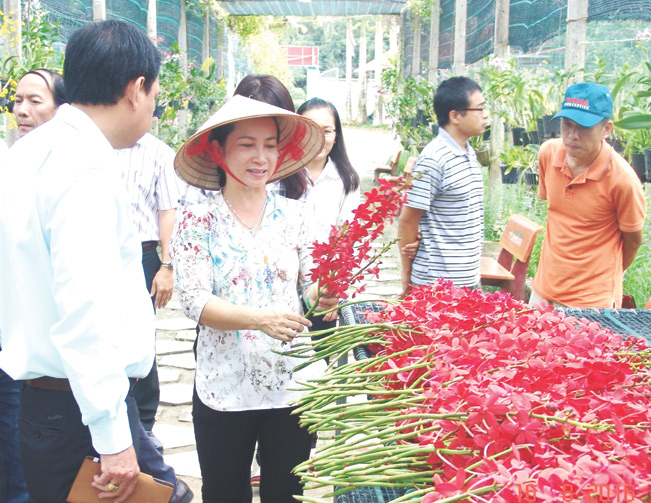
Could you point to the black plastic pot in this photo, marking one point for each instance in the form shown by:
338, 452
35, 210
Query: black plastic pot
531, 178
541, 130
552, 127
511, 177
638, 164
533, 137
517, 136
647, 162
616, 144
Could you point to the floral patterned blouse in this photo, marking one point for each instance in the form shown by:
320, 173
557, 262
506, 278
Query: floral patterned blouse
216, 256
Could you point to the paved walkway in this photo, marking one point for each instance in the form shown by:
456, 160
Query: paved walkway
175, 333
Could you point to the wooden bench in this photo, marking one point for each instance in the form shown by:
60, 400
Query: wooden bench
389, 169
409, 165
509, 271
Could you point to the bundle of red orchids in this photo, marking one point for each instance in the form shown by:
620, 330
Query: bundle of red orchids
478, 397
348, 257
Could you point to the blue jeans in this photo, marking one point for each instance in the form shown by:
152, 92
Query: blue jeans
54, 441
12, 484
147, 390
151, 461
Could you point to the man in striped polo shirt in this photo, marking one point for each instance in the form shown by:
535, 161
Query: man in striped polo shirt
445, 202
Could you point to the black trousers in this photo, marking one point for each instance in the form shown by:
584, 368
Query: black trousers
147, 390
225, 445
54, 441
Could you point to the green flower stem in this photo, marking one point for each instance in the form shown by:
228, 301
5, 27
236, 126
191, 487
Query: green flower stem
586, 426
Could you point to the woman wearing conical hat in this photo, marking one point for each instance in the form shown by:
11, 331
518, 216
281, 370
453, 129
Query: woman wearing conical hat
240, 260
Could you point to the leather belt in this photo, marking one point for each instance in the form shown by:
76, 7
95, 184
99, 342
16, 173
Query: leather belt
50, 383
149, 245
58, 384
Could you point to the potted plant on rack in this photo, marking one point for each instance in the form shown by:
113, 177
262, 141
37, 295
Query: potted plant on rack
514, 160
530, 159
534, 108
633, 121
637, 129
482, 150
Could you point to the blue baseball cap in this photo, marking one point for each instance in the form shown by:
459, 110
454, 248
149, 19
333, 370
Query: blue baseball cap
587, 104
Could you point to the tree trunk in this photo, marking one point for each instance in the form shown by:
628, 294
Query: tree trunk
350, 47
361, 103
379, 60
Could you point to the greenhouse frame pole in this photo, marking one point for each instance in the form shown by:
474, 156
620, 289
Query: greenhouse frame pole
575, 37
99, 10
13, 47
152, 25
501, 50
434, 28
460, 20
416, 29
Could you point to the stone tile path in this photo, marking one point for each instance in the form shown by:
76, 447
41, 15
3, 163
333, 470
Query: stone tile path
175, 333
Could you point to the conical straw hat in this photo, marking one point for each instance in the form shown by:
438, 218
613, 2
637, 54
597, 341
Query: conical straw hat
299, 141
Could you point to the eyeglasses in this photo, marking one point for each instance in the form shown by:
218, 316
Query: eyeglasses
480, 108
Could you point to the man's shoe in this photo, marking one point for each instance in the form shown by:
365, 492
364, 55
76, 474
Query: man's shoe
157, 443
182, 493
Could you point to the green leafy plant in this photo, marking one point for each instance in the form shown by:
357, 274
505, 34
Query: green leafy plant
516, 157
195, 93
409, 103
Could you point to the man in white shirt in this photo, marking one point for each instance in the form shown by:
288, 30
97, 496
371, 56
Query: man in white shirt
39, 93
75, 318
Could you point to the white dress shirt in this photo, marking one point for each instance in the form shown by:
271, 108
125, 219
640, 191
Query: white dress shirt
328, 203
73, 302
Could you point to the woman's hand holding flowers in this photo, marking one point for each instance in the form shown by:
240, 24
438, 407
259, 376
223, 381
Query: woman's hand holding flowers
323, 303
281, 325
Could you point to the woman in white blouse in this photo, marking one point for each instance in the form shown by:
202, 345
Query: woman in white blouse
240, 259
333, 193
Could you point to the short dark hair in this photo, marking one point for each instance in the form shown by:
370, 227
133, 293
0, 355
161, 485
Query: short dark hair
102, 58
338, 154
453, 94
269, 89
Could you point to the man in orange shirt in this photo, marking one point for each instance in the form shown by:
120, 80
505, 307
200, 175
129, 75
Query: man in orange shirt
596, 207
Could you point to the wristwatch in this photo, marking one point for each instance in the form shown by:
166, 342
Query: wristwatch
167, 264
